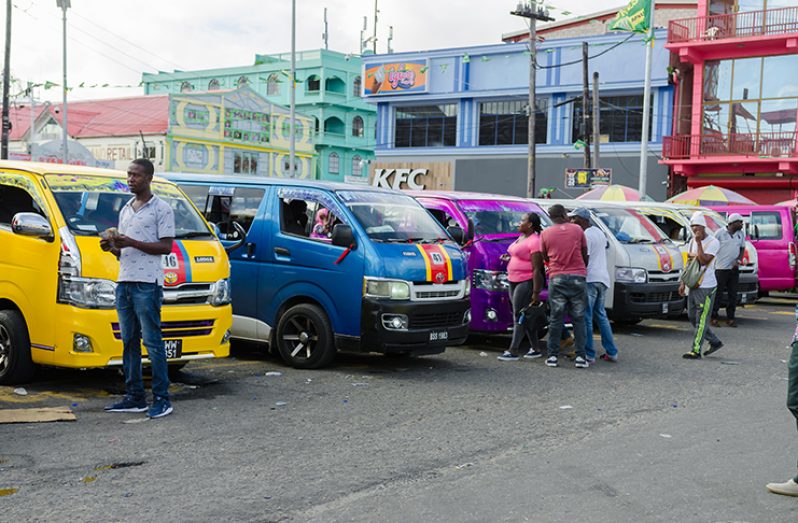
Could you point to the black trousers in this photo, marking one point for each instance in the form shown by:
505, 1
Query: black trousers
534, 318
727, 283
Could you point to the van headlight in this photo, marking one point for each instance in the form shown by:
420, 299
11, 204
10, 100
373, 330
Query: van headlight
89, 293
630, 275
220, 293
390, 289
491, 280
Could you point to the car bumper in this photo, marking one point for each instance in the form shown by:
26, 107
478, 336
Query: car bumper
646, 300
747, 290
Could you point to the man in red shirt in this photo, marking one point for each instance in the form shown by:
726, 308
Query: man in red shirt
564, 247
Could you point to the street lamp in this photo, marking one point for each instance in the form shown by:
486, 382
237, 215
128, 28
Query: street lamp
64, 5
533, 12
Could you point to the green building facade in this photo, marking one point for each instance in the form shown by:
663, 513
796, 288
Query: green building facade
328, 91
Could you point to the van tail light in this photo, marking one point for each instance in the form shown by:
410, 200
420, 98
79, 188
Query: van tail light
746, 257
792, 255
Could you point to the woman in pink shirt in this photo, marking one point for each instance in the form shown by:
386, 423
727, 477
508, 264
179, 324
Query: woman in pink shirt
525, 274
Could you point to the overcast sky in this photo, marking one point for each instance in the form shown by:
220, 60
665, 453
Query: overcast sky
114, 41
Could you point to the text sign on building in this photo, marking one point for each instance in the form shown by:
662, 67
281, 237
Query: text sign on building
395, 77
394, 178
587, 178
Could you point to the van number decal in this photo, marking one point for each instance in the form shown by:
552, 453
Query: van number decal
176, 266
169, 261
437, 262
437, 258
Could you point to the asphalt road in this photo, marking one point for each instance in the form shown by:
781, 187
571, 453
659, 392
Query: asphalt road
457, 437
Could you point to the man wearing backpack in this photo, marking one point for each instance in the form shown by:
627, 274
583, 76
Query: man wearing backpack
700, 298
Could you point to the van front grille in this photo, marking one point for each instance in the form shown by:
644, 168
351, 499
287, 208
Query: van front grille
177, 329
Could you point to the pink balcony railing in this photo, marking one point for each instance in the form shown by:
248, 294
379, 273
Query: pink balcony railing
762, 145
737, 25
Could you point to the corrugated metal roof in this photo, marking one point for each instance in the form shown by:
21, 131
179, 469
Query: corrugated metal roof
116, 116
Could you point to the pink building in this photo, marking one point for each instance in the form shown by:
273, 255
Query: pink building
735, 67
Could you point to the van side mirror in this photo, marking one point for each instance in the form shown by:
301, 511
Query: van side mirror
242, 237
756, 231
470, 231
342, 236
33, 225
457, 234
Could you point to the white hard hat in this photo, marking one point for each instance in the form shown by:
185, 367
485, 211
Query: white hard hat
735, 217
698, 219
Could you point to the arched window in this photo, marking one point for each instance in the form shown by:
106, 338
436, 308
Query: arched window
334, 164
334, 84
186, 87
334, 125
313, 83
357, 126
357, 166
243, 81
272, 85
214, 85
356, 87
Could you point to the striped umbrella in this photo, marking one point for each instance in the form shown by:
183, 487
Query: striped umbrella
612, 193
710, 195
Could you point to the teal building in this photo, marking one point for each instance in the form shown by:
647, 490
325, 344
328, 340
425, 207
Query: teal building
328, 91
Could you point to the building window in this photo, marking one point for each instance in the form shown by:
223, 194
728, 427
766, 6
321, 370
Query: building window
356, 87
186, 87
357, 166
334, 125
242, 81
426, 126
148, 151
214, 85
620, 119
506, 123
334, 84
314, 83
357, 126
334, 163
316, 124
272, 85
245, 162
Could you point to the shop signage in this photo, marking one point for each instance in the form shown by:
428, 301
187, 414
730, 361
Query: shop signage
407, 176
587, 178
395, 78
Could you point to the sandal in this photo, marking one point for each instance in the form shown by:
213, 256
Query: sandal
731, 323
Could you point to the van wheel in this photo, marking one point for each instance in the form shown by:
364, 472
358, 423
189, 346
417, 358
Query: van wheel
304, 337
16, 365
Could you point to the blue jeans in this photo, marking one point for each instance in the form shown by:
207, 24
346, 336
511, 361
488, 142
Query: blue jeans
567, 293
139, 308
595, 310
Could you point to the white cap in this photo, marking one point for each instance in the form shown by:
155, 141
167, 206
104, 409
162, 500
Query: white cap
735, 217
698, 219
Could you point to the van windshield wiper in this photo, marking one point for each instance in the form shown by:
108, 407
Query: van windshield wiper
640, 240
192, 234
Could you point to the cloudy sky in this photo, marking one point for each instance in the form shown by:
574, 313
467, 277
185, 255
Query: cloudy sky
114, 41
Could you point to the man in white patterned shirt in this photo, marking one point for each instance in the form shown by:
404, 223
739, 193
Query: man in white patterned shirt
146, 232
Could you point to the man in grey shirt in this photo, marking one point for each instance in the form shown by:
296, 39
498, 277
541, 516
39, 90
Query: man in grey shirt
727, 272
146, 232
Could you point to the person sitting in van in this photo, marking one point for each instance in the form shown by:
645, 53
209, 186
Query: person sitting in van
322, 229
295, 216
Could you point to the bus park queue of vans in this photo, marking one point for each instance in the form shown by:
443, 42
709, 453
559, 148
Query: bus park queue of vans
57, 287
644, 265
319, 268
494, 221
674, 220
771, 229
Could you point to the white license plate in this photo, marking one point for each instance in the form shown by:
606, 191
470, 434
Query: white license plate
174, 349
664, 308
744, 298
438, 336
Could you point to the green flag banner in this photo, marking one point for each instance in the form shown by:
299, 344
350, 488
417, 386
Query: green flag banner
634, 17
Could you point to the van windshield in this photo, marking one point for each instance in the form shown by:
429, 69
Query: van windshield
390, 217
91, 204
629, 226
492, 217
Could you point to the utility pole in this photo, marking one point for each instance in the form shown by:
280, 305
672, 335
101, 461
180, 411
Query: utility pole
326, 34
528, 10
363, 34
596, 126
64, 5
6, 123
376, 10
646, 103
292, 124
32, 131
390, 39
586, 131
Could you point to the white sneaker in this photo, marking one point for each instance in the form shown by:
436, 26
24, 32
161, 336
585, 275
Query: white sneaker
581, 363
790, 488
551, 361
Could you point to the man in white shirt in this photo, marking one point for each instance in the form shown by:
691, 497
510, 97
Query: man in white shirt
598, 281
727, 267
703, 247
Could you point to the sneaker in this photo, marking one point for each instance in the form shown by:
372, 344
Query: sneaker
581, 363
533, 354
590, 361
508, 356
713, 348
691, 355
128, 404
160, 407
552, 361
789, 488
607, 357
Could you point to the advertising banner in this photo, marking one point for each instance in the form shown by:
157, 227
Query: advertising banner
395, 78
587, 178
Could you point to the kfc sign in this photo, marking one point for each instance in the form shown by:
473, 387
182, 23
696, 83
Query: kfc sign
382, 178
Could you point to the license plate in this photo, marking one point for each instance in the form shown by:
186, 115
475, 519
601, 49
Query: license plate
744, 298
174, 349
664, 308
438, 336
